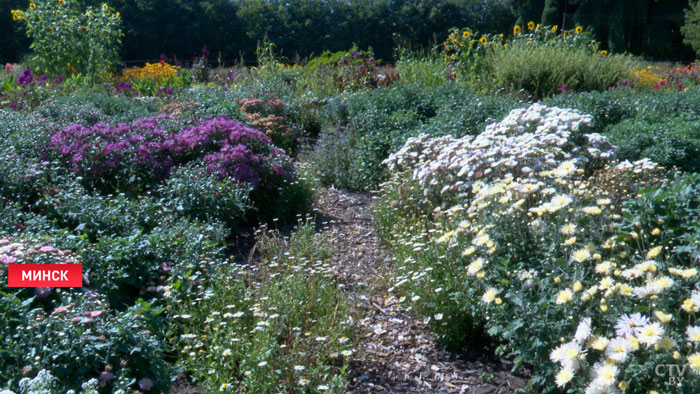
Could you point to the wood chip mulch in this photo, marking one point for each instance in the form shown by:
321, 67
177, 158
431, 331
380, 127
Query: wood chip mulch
397, 353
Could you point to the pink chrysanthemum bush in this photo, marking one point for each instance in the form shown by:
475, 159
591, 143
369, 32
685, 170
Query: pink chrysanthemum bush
533, 234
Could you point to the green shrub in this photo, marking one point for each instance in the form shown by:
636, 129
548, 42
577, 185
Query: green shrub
74, 334
362, 129
671, 142
614, 106
542, 70
87, 108
691, 27
421, 69
195, 193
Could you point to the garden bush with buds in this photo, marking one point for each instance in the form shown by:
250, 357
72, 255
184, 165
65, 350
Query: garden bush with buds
535, 235
63, 338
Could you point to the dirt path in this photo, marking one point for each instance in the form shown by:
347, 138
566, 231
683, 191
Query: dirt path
397, 354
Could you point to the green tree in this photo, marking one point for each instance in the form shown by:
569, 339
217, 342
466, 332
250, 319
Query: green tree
691, 27
14, 39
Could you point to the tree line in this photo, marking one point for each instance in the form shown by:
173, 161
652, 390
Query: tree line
231, 29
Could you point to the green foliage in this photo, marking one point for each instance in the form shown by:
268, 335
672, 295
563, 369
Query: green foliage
364, 128
350, 70
671, 142
279, 327
691, 27
542, 70
424, 69
644, 27
199, 195
75, 336
89, 107
67, 39
613, 106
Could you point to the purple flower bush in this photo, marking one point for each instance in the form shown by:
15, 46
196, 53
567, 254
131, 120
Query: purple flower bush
147, 150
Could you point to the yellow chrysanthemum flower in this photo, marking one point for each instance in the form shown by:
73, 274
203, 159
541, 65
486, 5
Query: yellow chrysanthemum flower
694, 362
663, 317
653, 252
689, 306
581, 255
564, 296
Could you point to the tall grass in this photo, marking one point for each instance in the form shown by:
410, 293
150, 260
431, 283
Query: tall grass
423, 69
544, 70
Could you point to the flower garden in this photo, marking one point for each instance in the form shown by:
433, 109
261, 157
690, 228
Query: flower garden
538, 197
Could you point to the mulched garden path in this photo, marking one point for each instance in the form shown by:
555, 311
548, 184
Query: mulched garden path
397, 353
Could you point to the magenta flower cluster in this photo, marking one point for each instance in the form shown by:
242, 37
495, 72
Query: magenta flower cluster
151, 147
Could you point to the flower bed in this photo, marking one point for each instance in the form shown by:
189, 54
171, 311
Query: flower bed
534, 235
144, 152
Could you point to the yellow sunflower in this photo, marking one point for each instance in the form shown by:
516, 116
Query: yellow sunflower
579, 29
483, 40
530, 25
32, 6
604, 52
554, 28
466, 34
517, 29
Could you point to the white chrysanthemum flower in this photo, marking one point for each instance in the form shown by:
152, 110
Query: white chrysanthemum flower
490, 295
605, 375
650, 334
617, 349
627, 325
564, 376
693, 333
581, 255
583, 331
476, 266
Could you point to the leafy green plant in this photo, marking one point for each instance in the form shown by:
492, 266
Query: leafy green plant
691, 28
73, 334
364, 128
199, 195
68, 40
671, 142
278, 328
543, 70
